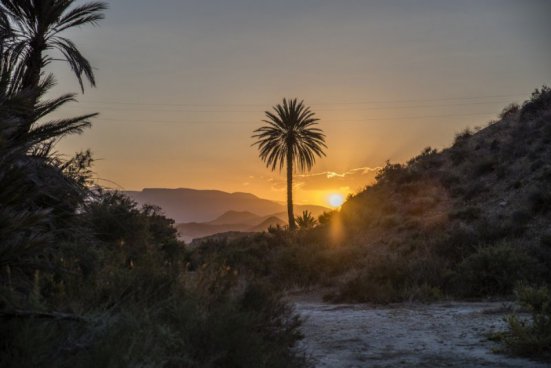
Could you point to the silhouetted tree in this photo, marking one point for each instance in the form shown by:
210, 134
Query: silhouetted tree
39, 191
34, 26
290, 139
306, 220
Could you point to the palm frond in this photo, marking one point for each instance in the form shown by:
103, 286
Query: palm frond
78, 63
33, 27
90, 13
290, 129
58, 129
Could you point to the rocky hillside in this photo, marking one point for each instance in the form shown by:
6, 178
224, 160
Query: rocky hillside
492, 183
471, 220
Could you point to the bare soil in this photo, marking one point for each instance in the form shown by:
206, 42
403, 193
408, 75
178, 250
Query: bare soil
405, 335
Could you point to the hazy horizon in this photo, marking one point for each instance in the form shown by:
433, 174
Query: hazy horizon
182, 85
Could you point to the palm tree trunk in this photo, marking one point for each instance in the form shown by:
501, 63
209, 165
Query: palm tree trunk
292, 225
31, 80
31, 77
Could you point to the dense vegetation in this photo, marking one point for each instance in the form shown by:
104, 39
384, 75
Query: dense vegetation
530, 336
88, 279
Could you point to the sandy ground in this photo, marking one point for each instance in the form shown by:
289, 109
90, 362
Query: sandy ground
405, 335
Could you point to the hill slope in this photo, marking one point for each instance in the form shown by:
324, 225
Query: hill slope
497, 179
472, 220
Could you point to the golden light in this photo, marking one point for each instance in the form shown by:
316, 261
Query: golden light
335, 199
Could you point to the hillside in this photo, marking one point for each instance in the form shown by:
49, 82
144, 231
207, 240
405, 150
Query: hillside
493, 183
472, 220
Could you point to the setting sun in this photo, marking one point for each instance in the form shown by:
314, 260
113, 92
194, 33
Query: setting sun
335, 199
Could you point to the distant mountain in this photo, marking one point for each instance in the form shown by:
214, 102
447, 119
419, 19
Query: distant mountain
313, 209
193, 205
193, 230
188, 205
236, 217
230, 221
265, 225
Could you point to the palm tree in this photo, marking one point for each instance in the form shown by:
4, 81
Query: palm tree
290, 138
34, 26
27, 139
306, 221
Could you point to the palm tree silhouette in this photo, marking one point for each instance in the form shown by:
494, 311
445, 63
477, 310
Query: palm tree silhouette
290, 138
34, 26
306, 221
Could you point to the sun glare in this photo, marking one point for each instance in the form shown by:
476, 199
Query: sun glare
335, 199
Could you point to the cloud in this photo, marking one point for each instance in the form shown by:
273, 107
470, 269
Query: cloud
351, 180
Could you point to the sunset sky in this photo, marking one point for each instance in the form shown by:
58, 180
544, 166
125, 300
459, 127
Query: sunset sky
183, 84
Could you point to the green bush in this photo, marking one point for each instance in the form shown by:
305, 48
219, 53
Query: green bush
483, 167
538, 103
531, 337
396, 278
134, 304
468, 213
494, 270
252, 328
540, 199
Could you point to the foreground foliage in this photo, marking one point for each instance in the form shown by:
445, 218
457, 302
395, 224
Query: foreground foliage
121, 297
530, 337
87, 278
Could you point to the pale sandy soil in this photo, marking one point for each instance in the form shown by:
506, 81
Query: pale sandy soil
405, 335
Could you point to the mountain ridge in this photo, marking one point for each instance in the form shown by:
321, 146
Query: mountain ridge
186, 205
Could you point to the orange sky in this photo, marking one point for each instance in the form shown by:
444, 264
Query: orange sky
182, 85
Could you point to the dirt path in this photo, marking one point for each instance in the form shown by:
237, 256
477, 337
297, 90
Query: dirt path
437, 335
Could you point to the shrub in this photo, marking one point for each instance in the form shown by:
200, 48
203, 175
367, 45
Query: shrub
509, 110
397, 277
249, 329
545, 239
484, 167
306, 221
468, 213
531, 337
394, 174
539, 102
426, 160
463, 136
458, 155
494, 270
540, 199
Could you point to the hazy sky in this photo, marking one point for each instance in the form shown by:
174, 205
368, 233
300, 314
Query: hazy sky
182, 84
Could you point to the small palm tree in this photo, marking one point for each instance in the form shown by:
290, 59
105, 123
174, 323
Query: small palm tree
290, 138
34, 26
306, 221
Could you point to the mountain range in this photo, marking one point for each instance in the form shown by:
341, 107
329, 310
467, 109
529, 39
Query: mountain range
200, 213
230, 221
